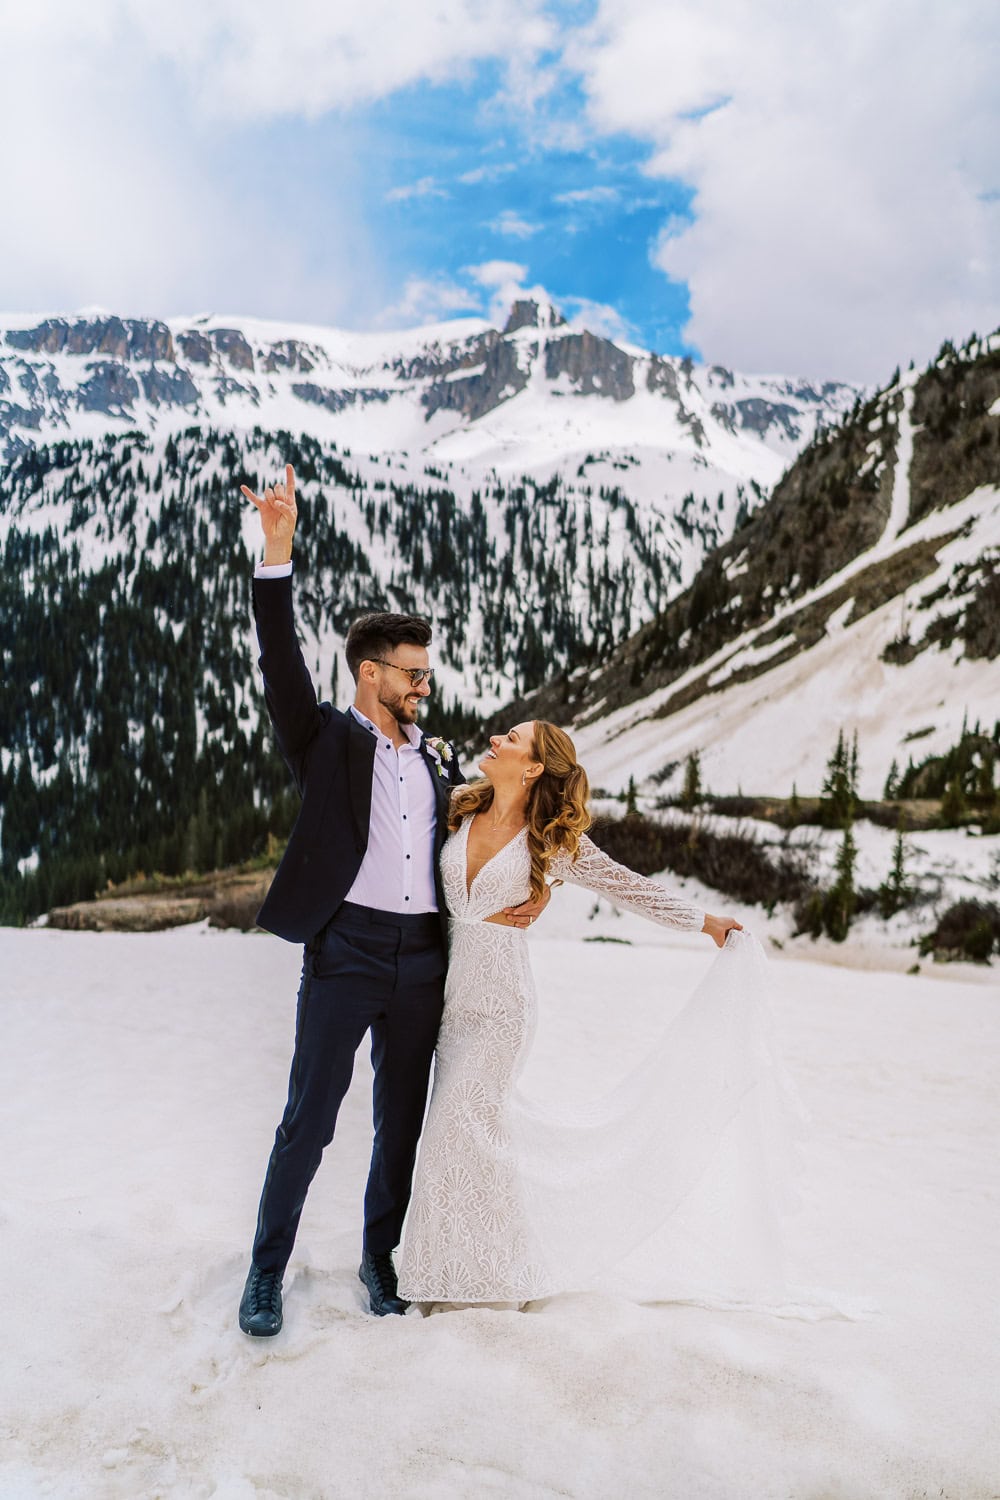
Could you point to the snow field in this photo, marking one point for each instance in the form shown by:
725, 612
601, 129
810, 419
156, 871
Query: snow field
142, 1080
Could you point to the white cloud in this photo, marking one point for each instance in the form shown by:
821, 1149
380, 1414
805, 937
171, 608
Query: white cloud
505, 281
252, 59
838, 157
511, 224
588, 195
428, 300
488, 173
425, 187
598, 317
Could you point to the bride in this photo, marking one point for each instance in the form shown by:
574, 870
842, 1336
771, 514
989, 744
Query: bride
511, 1202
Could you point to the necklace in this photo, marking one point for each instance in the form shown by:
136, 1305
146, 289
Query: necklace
496, 823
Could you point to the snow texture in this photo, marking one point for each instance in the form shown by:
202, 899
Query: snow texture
142, 1079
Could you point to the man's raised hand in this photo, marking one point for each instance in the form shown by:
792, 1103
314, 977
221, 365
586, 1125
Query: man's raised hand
278, 515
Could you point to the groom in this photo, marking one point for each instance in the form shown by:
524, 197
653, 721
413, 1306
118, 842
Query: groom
359, 886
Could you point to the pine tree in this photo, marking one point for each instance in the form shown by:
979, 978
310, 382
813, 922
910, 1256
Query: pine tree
631, 805
891, 791
841, 899
836, 808
692, 792
894, 892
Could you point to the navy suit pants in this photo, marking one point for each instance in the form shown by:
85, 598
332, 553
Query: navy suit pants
365, 971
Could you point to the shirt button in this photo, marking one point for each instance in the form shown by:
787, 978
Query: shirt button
406, 898
404, 817
407, 858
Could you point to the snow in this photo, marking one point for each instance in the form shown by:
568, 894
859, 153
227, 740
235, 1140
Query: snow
143, 1076
780, 727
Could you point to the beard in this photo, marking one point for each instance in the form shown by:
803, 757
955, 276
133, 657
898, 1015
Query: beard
398, 705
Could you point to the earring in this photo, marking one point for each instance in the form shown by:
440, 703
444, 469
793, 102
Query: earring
524, 778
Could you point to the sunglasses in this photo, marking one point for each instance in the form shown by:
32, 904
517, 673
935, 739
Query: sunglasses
417, 675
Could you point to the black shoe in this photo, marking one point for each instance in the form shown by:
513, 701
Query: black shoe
379, 1275
260, 1307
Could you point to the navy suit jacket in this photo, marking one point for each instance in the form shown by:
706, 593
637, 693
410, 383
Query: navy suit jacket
331, 756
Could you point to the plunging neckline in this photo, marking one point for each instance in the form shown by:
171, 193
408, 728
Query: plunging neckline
495, 855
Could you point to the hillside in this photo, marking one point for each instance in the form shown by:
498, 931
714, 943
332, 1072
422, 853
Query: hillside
864, 594
131, 726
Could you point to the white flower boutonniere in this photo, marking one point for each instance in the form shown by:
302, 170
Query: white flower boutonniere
441, 753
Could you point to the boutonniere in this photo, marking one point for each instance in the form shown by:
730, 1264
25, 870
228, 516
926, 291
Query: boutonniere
441, 753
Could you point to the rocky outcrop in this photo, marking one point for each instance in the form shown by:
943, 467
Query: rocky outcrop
437, 362
168, 388
956, 442
110, 388
337, 400
233, 347
475, 395
289, 354
527, 313
223, 900
595, 366
118, 338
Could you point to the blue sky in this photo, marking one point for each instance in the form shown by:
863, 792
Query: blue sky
754, 185
455, 187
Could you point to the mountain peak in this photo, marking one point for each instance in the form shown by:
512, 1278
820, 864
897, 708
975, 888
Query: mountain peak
527, 313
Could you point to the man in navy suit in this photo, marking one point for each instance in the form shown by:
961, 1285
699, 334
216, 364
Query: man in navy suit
359, 886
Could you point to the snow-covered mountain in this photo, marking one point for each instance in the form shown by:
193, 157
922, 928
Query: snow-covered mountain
535, 398
864, 595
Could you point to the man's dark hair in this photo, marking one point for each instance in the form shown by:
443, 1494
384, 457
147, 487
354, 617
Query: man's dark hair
372, 636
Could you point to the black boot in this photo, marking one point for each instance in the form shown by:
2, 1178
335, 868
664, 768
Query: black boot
260, 1307
379, 1275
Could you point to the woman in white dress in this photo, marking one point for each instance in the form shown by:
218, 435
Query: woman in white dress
511, 1203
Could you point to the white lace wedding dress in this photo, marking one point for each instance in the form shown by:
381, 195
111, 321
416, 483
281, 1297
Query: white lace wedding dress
512, 1202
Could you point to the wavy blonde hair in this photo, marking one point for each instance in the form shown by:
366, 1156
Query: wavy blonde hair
557, 812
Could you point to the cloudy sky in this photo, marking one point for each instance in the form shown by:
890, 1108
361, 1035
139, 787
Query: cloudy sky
775, 185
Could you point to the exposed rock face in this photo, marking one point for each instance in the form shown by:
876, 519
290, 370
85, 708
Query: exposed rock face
759, 416
109, 389
526, 313
196, 348
475, 395
225, 900
439, 362
289, 354
175, 388
119, 338
956, 441
594, 365
330, 400
233, 347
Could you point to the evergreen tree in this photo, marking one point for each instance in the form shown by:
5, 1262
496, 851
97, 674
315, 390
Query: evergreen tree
691, 794
891, 791
894, 891
631, 805
840, 901
836, 807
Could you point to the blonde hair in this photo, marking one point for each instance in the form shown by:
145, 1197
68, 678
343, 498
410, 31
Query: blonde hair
557, 812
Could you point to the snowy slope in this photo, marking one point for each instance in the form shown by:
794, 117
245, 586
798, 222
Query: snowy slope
152, 1070
899, 641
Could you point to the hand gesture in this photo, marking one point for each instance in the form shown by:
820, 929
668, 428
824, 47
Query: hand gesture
718, 928
278, 515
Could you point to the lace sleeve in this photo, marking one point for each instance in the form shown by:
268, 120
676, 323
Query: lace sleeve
598, 872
